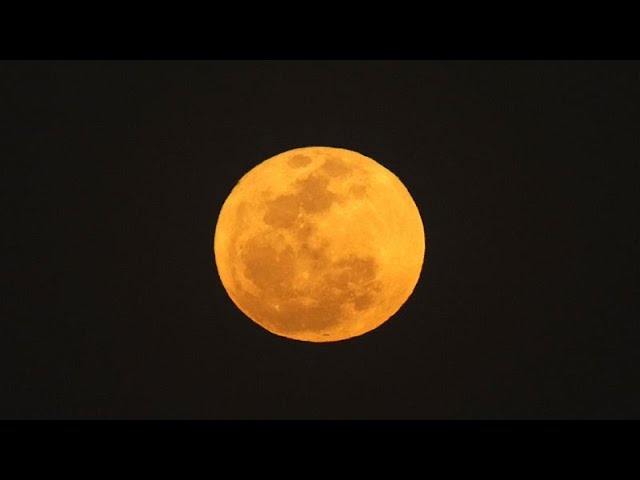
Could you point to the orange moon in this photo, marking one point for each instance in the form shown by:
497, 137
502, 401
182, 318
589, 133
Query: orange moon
319, 244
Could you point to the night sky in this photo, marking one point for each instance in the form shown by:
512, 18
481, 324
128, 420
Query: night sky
525, 173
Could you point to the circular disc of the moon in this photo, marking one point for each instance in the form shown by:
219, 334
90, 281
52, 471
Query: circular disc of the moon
319, 244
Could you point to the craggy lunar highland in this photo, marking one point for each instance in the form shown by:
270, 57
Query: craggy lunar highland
319, 244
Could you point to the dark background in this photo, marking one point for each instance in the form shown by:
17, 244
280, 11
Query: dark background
525, 172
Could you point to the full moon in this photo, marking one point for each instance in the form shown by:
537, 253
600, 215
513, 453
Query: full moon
319, 244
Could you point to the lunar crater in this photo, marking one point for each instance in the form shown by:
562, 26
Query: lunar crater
298, 161
311, 196
335, 166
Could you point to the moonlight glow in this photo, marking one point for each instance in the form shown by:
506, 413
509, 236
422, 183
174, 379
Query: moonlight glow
319, 244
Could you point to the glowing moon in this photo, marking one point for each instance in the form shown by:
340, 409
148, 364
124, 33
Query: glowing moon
319, 244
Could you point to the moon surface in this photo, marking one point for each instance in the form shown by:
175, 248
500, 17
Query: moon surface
319, 244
